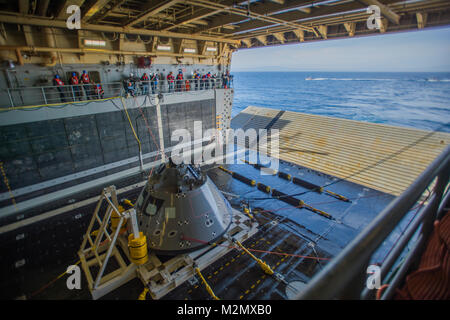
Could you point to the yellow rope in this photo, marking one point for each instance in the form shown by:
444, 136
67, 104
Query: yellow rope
129, 120
143, 294
208, 288
266, 268
56, 104
5, 179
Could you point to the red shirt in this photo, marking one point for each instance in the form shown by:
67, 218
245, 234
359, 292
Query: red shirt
85, 78
170, 78
59, 82
74, 80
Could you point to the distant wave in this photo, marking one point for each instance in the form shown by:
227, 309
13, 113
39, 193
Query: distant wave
438, 80
348, 79
359, 79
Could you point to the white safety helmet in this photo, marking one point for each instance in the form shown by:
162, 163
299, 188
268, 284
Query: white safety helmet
131, 75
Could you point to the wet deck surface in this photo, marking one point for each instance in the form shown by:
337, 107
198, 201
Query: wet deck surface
35, 255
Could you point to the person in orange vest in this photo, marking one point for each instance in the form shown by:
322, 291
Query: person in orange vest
86, 81
59, 86
180, 79
145, 83
196, 79
187, 85
130, 85
74, 81
170, 80
99, 91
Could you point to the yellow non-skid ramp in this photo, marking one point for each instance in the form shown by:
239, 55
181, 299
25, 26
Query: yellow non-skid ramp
343, 148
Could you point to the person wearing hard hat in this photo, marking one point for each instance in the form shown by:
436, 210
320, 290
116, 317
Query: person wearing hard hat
74, 82
154, 82
180, 81
145, 83
130, 85
59, 86
170, 80
86, 81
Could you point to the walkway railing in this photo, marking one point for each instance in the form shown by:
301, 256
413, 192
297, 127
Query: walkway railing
345, 277
49, 95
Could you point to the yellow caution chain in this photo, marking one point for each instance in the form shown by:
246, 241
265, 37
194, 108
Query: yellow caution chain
266, 268
208, 288
289, 178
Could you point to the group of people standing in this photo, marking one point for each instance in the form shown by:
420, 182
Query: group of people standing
179, 83
146, 82
78, 85
175, 83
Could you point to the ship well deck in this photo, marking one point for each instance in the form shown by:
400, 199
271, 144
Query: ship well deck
295, 241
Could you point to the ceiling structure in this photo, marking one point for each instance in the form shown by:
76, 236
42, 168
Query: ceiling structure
240, 24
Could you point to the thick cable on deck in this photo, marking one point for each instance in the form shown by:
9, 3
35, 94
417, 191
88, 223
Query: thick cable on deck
266, 268
208, 288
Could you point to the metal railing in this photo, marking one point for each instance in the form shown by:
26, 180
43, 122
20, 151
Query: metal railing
345, 276
48, 95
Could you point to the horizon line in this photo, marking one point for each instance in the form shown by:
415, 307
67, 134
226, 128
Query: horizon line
271, 71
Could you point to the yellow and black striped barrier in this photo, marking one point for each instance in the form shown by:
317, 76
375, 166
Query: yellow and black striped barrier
239, 177
303, 183
277, 194
298, 203
318, 189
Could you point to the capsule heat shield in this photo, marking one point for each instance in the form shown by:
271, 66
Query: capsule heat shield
180, 210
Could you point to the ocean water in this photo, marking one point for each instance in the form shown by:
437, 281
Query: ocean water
417, 100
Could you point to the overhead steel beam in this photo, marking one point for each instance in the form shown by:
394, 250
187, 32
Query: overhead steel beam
421, 19
297, 16
321, 16
105, 51
63, 5
385, 10
152, 9
104, 13
440, 17
91, 8
257, 8
247, 14
24, 6
200, 14
42, 7
45, 22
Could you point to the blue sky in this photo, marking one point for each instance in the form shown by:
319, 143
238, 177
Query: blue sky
414, 51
